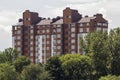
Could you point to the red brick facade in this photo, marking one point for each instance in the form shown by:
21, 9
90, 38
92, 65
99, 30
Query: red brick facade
40, 38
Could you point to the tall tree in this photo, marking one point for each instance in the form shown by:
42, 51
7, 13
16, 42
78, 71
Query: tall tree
53, 65
8, 55
96, 46
114, 48
76, 67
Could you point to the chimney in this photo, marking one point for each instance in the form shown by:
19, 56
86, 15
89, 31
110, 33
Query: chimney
48, 18
86, 16
27, 11
98, 15
20, 20
67, 7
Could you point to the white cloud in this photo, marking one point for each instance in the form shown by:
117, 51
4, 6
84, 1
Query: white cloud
7, 19
103, 11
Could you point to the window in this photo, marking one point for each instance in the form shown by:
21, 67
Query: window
58, 47
31, 37
31, 43
68, 16
38, 31
43, 31
58, 25
58, 41
87, 24
48, 48
54, 47
80, 29
47, 42
98, 28
72, 25
81, 25
31, 48
54, 30
47, 30
27, 19
104, 29
31, 27
73, 41
87, 29
18, 32
72, 47
104, 24
18, 48
54, 25
15, 27
72, 29
72, 35
58, 35
31, 54
72, 52
31, 31
44, 36
18, 37
48, 36
58, 29
43, 26
54, 36
99, 24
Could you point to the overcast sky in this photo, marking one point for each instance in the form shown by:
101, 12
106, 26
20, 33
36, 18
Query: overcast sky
11, 11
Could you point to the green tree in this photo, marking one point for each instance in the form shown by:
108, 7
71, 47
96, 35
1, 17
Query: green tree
8, 55
53, 65
35, 72
20, 62
114, 48
76, 67
96, 46
7, 72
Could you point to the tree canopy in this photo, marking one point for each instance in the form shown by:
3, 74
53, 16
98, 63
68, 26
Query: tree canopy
7, 72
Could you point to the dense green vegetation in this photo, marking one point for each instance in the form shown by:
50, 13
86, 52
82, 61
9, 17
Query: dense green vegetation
101, 61
16, 67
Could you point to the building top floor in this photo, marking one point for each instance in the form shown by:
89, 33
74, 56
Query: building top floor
69, 16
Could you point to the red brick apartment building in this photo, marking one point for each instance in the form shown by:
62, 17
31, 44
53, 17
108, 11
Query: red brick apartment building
40, 38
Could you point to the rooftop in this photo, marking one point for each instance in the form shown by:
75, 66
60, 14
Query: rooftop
60, 21
45, 22
86, 19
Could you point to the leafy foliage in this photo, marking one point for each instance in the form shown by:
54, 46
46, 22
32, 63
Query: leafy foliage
53, 65
76, 67
20, 62
9, 55
35, 72
7, 72
114, 48
96, 46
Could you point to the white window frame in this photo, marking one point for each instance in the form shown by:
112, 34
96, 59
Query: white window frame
80, 29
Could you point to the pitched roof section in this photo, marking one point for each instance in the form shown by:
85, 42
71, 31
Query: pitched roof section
60, 21
86, 19
45, 22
